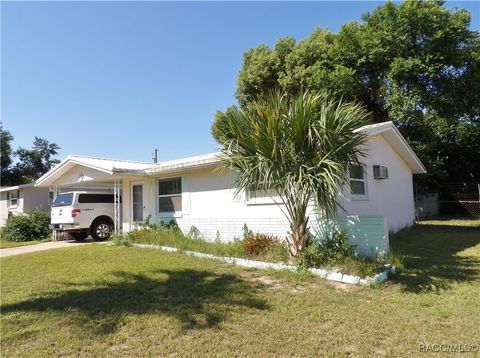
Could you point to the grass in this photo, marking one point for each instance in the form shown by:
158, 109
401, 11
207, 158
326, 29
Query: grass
172, 238
5, 244
99, 300
437, 253
452, 222
277, 253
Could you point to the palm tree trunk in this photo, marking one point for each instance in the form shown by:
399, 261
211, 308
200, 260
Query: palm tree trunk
297, 237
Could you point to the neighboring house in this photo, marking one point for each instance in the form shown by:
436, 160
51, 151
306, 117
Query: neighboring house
194, 191
22, 198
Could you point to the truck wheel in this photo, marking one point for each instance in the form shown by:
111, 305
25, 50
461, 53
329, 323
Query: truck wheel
101, 230
79, 236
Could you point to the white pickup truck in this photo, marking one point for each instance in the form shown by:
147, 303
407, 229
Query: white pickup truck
83, 213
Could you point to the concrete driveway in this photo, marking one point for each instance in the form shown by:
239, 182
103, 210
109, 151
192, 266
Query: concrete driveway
42, 247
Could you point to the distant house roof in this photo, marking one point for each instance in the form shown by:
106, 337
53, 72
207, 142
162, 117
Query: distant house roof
16, 187
120, 168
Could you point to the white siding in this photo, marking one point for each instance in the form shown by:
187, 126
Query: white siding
392, 197
36, 198
209, 203
30, 199
5, 207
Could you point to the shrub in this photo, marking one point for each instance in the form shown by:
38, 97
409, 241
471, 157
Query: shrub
171, 236
172, 225
336, 246
312, 256
333, 249
396, 260
246, 232
121, 240
40, 220
27, 227
258, 244
194, 233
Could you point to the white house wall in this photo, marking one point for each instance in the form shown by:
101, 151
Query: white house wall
30, 199
209, 204
392, 197
82, 175
5, 207
36, 198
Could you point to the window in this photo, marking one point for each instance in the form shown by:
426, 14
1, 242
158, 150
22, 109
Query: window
95, 199
263, 197
63, 200
51, 197
256, 194
12, 197
170, 195
358, 183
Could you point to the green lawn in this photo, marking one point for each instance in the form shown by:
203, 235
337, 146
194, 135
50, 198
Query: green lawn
5, 244
117, 301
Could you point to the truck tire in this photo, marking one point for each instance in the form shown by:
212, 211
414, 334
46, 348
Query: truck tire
101, 229
79, 236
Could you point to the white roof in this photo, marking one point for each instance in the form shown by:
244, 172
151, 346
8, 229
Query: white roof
16, 187
398, 143
185, 163
107, 166
119, 168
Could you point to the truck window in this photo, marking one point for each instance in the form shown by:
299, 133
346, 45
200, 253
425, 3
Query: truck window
95, 199
63, 200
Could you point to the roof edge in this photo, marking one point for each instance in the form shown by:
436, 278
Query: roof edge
16, 187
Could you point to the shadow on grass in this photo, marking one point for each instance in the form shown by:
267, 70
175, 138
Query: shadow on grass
434, 258
198, 299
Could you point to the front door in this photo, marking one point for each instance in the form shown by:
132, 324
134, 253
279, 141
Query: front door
137, 202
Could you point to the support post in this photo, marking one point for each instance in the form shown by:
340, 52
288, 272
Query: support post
55, 194
116, 208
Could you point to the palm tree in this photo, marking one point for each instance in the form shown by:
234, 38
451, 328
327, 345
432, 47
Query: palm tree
301, 148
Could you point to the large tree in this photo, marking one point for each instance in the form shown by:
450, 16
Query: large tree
416, 63
301, 148
5, 154
24, 165
34, 162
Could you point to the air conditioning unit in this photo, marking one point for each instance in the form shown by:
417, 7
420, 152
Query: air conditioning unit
380, 172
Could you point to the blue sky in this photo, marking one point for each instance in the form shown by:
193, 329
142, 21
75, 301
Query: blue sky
117, 79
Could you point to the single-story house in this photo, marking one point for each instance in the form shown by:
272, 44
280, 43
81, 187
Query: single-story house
194, 192
20, 199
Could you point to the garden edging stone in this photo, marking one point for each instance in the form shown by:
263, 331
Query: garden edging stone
331, 275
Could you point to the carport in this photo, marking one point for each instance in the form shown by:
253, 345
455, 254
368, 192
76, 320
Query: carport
92, 174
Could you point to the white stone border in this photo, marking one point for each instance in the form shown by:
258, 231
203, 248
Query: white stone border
331, 275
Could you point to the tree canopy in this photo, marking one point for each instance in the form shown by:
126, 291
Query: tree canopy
416, 63
31, 164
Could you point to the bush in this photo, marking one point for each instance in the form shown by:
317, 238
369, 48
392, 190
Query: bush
246, 232
332, 250
173, 237
121, 240
312, 256
194, 233
336, 251
336, 246
258, 244
40, 220
27, 227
